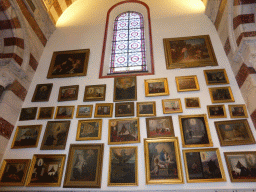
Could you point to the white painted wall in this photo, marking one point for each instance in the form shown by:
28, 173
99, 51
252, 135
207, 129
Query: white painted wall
91, 36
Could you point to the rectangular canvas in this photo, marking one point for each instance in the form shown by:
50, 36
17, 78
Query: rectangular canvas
42, 92
84, 111
45, 113
124, 109
89, 129
221, 94
95, 93
156, 87
146, 109
68, 93
125, 88
64, 112
216, 77
216, 111
237, 111
192, 102
171, 106
103, 110
187, 83
28, 113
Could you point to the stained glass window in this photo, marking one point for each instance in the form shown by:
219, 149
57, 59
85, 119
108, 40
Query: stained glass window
128, 45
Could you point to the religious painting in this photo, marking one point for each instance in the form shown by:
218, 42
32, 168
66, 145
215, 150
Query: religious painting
187, 83
234, 132
14, 172
192, 102
124, 109
163, 161
42, 92
156, 87
95, 93
89, 130
26, 136
103, 110
46, 171
68, 93
55, 135
160, 127
203, 165
241, 166
123, 166
216, 77
221, 94
195, 131
45, 113
187, 52
123, 131
84, 167
237, 111
216, 111
171, 106
28, 113
125, 88
64, 112
84, 111
146, 109
69, 63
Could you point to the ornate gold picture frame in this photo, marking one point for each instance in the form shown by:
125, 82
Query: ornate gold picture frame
156, 87
89, 129
216, 77
171, 106
216, 111
146, 109
221, 94
187, 83
238, 111
103, 110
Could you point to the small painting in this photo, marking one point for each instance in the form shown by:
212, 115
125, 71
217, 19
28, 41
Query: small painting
162, 161
103, 110
187, 83
14, 172
95, 93
221, 94
68, 93
146, 109
84, 111
192, 102
203, 165
42, 92
234, 132
64, 112
171, 106
123, 166
123, 131
28, 113
216, 77
125, 88
156, 87
45, 113
216, 111
241, 166
238, 111
124, 109
187, 52
55, 135
69, 63
26, 136
195, 131
46, 171
84, 167
89, 130
160, 127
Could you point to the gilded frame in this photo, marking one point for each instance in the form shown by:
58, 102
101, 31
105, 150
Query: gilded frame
218, 94
238, 111
183, 83
68, 112
125, 88
93, 128
171, 106
216, 111
99, 110
152, 157
146, 109
28, 113
85, 113
156, 87
45, 113
95, 93
124, 109
192, 102
42, 92
216, 77
68, 93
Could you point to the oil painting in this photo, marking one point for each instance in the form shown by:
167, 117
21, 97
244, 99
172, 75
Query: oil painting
103, 110
28, 113
216, 77
84, 111
64, 112
187, 83
216, 111
171, 106
45, 113
95, 93
68, 93
124, 109
89, 129
125, 88
146, 109
238, 111
156, 87
192, 102
42, 92
221, 94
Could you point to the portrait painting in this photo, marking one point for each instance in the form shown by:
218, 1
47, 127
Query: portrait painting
187, 83
123, 166
241, 166
68, 93
14, 172
156, 87
28, 113
26, 136
124, 109
64, 112
103, 110
192, 102
195, 131
203, 165
55, 135
187, 52
146, 109
221, 94
234, 132
42, 92
160, 127
162, 161
84, 167
125, 88
216, 77
69, 63
95, 93
216, 111
84, 111
171, 106
46, 171
123, 131
89, 130
238, 111
45, 113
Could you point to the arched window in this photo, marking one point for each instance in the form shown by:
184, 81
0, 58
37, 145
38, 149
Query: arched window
128, 45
